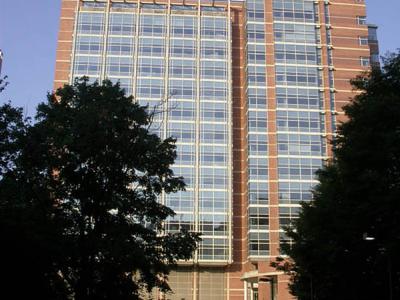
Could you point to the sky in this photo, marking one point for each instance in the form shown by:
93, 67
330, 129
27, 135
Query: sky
28, 38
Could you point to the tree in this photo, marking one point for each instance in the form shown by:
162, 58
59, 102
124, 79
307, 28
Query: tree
28, 236
84, 181
358, 196
3, 83
12, 128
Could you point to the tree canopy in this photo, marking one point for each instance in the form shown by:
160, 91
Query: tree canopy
80, 216
346, 241
3, 83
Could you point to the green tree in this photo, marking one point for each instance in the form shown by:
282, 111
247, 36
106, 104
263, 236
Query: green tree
83, 182
347, 240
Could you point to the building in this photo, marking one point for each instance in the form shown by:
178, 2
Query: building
373, 44
253, 91
1, 60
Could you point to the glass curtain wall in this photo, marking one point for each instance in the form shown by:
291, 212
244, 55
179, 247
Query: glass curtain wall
176, 59
258, 209
299, 100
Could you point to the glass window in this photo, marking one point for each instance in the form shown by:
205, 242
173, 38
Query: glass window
363, 40
213, 28
297, 75
256, 75
180, 220
255, 10
212, 155
213, 90
298, 98
93, 4
213, 177
295, 192
258, 218
213, 133
361, 20
298, 168
87, 65
296, 54
258, 144
89, 44
258, 168
182, 89
182, 48
365, 61
181, 110
301, 144
182, 68
257, 121
256, 33
183, 26
122, 24
258, 244
123, 5
214, 111
258, 192
119, 66
122, 46
213, 69
257, 98
213, 224
151, 47
213, 201
151, 67
150, 88
295, 33
294, 10
152, 25
184, 132
213, 49
91, 23
256, 54
300, 121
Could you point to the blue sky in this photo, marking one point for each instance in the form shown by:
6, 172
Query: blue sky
28, 35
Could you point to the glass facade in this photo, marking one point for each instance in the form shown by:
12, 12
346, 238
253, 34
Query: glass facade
300, 116
258, 204
176, 59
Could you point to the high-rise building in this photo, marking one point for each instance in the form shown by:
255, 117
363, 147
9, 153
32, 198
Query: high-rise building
253, 91
1, 60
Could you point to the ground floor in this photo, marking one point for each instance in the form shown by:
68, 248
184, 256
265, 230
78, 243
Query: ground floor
232, 282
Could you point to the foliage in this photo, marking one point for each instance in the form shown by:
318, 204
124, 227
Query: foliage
12, 128
81, 193
3, 83
358, 196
